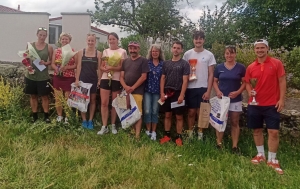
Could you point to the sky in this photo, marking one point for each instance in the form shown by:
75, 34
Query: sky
55, 7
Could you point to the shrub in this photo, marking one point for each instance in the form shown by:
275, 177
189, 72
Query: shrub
102, 46
292, 62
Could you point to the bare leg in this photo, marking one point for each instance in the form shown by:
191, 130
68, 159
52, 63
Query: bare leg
45, 103
83, 116
179, 123
168, 121
219, 137
235, 128
138, 127
258, 137
154, 125
34, 103
191, 118
92, 106
273, 140
104, 105
58, 104
148, 126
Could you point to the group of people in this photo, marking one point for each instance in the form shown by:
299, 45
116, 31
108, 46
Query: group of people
166, 85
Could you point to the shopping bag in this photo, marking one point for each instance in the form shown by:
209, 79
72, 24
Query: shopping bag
203, 119
219, 112
128, 116
79, 97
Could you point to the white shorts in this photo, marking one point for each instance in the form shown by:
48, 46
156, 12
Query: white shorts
236, 106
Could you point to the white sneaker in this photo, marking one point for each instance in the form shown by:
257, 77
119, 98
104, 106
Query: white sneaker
153, 135
114, 129
59, 118
200, 136
148, 133
103, 130
66, 120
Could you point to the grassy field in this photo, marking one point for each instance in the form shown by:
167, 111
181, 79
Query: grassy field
51, 156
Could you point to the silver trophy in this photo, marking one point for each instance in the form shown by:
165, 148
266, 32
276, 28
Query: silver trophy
253, 82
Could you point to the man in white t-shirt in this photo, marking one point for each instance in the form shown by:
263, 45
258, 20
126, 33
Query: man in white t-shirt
199, 89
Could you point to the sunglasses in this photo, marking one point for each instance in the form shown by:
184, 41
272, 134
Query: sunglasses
91, 34
42, 29
230, 46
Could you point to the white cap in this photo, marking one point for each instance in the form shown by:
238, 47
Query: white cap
261, 41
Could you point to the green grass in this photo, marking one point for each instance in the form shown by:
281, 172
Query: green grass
40, 156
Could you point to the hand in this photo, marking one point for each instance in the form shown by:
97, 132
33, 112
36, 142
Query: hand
252, 93
180, 99
206, 96
77, 83
129, 89
63, 68
98, 84
106, 69
162, 97
42, 62
219, 94
279, 105
56, 70
233, 94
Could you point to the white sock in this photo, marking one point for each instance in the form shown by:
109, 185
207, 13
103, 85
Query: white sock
113, 125
271, 156
261, 150
153, 133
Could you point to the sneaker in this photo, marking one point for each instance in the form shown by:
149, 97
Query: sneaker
189, 134
165, 139
258, 159
274, 163
59, 118
178, 142
200, 136
103, 130
153, 135
148, 133
47, 120
236, 150
90, 125
85, 124
66, 120
114, 129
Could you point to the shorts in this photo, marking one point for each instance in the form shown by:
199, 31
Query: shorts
139, 101
114, 86
258, 114
166, 107
94, 83
194, 97
63, 83
41, 88
235, 106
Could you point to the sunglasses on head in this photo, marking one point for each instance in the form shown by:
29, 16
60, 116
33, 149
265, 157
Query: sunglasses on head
42, 29
91, 34
230, 46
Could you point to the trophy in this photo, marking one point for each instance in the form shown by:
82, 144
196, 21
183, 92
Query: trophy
253, 82
193, 63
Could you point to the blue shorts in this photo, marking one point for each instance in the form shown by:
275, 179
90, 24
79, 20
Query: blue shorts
193, 97
258, 114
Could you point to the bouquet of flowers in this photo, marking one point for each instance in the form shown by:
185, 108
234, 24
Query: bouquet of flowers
66, 54
114, 61
28, 56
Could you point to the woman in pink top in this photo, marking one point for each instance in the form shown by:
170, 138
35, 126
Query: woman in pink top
111, 65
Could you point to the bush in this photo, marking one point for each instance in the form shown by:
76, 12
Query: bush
292, 62
102, 46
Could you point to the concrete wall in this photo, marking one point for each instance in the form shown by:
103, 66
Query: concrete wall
17, 29
79, 25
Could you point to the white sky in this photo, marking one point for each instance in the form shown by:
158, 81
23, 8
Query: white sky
55, 7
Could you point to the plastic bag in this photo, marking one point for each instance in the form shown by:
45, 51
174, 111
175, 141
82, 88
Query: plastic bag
219, 112
79, 97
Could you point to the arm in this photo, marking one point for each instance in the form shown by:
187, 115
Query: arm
234, 94
115, 69
282, 89
249, 89
50, 56
206, 95
183, 88
78, 69
99, 67
122, 81
162, 87
216, 87
140, 81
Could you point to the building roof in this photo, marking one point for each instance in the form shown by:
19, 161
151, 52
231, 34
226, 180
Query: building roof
56, 18
8, 10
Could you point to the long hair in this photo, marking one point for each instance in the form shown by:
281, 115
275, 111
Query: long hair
161, 53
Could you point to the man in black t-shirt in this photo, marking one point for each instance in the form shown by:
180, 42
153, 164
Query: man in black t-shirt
173, 84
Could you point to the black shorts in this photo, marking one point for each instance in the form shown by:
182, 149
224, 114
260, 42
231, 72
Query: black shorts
166, 107
41, 88
194, 97
258, 114
114, 86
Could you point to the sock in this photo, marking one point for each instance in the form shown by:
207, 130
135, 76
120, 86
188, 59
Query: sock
35, 115
104, 126
46, 115
153, 133
168, 134
113, 125
271, 156
179, 135
261, 150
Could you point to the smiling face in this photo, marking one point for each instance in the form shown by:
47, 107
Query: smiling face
42, 35
64, 40
155, 53
176, 50
198, 42
91, 41
113, 41
230, 55
261, 50
134, 51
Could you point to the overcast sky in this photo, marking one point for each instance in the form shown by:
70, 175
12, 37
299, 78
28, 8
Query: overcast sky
55, 7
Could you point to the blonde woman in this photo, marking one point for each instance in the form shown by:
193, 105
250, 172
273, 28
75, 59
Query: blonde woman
64, 76
88, 68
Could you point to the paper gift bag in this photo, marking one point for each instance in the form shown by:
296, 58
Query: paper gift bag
203, 120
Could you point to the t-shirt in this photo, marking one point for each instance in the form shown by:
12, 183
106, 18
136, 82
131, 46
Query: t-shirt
133, 70
205, 59
116, 54
230, 79
152, 84
174, 72
267, 74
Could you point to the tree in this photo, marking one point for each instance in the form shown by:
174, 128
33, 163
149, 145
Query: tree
143, 17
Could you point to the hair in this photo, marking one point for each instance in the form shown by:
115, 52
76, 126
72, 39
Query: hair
230, 48
113, 34
161, 53
91, 34
199, 34
41, 29
63, 34
178, 43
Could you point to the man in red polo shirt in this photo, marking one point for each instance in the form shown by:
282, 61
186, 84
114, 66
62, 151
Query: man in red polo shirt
269, 94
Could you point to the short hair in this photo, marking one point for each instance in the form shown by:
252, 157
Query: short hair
161, 53
113, 34
66, 35
178, 43
198, 34
230, 48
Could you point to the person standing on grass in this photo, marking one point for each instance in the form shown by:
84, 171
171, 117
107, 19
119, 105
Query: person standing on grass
152, 89
62, 83
269, 92
173, 84
228, 81
110, 85
88, 69
133, 75
199, 89
37, 84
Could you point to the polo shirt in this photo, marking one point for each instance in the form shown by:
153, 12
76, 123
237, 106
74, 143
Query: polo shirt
267, 74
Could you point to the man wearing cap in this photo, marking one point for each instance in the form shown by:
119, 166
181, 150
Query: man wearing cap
133, 74
267, 76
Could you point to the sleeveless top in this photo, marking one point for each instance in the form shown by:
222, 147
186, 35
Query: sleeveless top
89, 67
67, 73
39, 75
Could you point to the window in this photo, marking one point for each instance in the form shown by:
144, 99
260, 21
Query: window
54, 32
